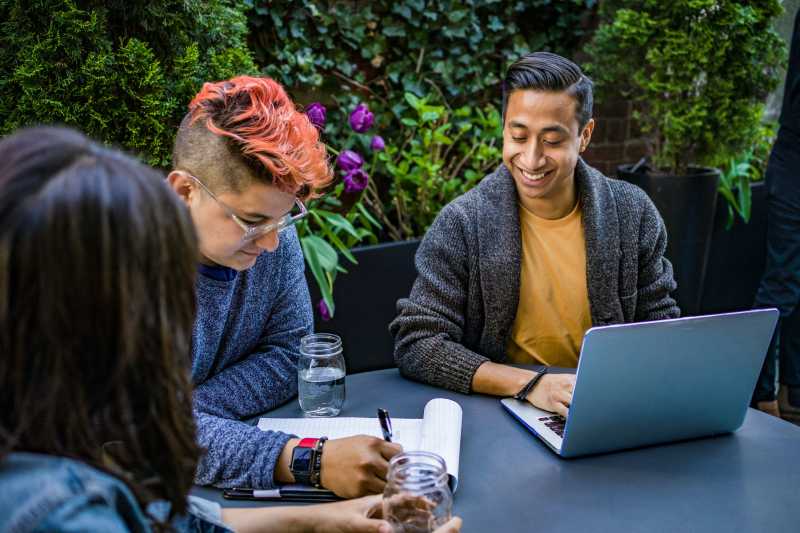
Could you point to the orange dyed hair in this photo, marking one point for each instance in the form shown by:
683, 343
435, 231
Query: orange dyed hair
276, 141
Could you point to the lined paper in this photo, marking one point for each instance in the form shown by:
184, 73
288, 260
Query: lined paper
406, 431
439, 431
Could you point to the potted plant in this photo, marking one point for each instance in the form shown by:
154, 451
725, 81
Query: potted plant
737, 256
697, 74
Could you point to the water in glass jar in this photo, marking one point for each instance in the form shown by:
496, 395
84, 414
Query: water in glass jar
321, 391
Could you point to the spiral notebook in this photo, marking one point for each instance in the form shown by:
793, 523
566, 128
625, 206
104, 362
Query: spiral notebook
438, 431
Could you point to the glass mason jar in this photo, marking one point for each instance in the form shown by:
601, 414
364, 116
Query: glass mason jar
417, 496
320, 375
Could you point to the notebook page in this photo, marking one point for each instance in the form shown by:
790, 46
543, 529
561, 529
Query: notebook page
441, 433
406, 431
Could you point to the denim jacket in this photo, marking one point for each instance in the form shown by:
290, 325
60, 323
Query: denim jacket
48, 493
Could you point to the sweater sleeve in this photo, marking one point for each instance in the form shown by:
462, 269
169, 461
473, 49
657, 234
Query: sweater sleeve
239, 454
428, 330
655, 281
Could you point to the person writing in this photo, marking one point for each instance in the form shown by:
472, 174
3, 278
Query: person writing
245, 160
97, 297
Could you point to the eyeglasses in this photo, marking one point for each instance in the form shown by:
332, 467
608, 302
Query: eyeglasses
254, 231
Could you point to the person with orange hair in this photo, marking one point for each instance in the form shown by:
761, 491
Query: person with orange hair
244, 161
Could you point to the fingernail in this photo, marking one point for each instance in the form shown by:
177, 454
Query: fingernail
385, 528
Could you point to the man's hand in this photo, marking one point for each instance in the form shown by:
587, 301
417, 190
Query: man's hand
553, 393
355, 466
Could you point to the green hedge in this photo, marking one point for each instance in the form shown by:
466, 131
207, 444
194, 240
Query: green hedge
449, 54
120, 71
386, 48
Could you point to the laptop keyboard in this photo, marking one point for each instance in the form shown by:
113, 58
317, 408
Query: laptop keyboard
556, 423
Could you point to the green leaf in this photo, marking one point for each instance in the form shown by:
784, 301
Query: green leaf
730, 219
366, 214
311, 253
343, 248
338, 221
745, 198
728, 196
321, 252
364, 233
413, 100
394, 31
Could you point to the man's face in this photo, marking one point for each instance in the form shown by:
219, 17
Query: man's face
220, 237
541, 144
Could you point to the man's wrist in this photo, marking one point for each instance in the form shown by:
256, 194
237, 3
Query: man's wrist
500, 380
522, 380
527, 389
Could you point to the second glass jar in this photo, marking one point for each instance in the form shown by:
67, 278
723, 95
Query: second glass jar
417, 497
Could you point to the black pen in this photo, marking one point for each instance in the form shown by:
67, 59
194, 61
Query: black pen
386, 424
285, 494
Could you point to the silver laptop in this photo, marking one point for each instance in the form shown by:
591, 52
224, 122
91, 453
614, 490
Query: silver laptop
655, 382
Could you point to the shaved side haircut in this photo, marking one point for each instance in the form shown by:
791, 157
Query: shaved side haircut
248, 129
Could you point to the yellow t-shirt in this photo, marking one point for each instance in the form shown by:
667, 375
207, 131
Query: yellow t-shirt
553, 313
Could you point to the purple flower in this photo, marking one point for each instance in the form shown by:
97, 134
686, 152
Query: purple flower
316, 114
377, 144
349, 160
361, 118
355, 181
324, 313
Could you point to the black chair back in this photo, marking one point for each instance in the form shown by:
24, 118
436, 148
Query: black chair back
366, 299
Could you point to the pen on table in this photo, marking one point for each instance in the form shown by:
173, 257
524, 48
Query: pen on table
281, 494
386, 424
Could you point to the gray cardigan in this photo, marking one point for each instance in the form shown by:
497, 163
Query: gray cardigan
464, 301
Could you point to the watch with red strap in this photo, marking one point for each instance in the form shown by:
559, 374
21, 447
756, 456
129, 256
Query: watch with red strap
304, 465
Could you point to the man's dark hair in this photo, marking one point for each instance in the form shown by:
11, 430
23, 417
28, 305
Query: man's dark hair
544, 71
97, 268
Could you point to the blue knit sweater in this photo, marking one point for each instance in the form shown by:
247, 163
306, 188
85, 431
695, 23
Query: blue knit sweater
244, 355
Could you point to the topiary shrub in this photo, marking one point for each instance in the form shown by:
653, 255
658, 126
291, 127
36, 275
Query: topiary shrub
697, 71
122, 72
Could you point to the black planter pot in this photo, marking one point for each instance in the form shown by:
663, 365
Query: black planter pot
687, 205
366, 300
737, 257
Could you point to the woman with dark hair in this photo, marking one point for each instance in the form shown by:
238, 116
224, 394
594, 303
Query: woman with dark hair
97, 268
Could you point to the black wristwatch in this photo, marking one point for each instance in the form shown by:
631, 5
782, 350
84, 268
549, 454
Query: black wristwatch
303, 457
522, 395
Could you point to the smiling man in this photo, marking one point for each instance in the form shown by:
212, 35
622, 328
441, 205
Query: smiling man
244, 160
516, 270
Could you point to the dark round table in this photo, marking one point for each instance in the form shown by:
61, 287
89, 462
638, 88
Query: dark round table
510, 481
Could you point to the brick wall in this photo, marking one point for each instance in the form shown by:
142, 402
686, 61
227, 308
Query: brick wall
616, 139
